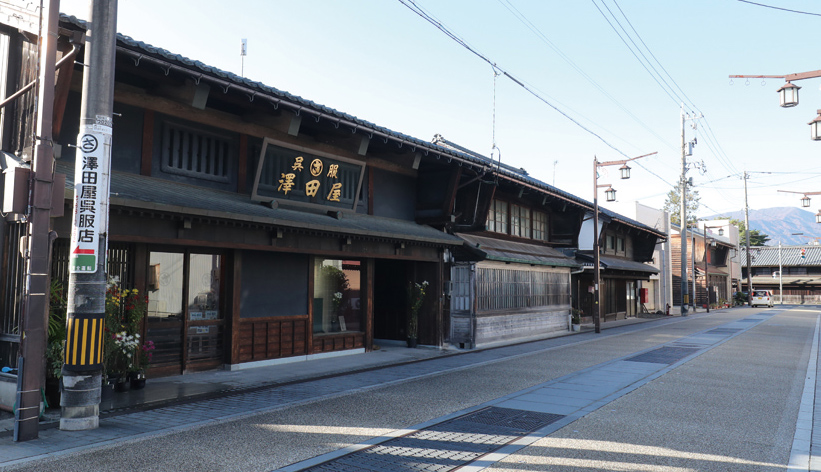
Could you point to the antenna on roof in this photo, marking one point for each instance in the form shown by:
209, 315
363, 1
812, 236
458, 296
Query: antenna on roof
242, 53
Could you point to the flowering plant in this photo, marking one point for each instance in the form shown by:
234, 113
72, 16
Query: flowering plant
337, 301
124, 313
145, 354
124, 353
416, 296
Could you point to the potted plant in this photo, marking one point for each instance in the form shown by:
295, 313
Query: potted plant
575, 319
124, 313
416, 296
56, 343
137, 375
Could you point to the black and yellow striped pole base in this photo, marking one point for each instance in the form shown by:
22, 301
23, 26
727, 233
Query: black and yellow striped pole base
82, 372
84, 342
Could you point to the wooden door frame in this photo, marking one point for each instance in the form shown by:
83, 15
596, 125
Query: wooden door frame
186, 253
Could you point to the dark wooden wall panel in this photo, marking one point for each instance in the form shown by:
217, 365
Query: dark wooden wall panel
272, 338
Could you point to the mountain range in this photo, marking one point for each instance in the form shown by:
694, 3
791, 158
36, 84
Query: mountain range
781, 223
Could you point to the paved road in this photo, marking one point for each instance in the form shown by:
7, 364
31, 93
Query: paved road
722, 392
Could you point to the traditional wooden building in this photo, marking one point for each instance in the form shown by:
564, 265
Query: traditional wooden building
263, 227
267, 228
527, 271
709, 263
626, 247
800, 268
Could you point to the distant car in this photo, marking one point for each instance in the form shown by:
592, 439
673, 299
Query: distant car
762, 297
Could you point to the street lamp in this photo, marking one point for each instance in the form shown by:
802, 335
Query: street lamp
805, 200
789, 94
610, 193
818, 217
815, 127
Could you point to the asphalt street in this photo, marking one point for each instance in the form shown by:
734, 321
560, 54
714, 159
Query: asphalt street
730, 406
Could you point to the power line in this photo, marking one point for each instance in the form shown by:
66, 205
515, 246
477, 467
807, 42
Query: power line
779, 8
539, 34
411, 5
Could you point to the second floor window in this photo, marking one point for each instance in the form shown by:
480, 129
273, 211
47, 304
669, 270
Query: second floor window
196, 153
520, 221
497, 217
540, 226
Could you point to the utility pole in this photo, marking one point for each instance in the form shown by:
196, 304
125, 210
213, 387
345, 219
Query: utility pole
683, 192
780, 278
85, 327
747, 232
33, 324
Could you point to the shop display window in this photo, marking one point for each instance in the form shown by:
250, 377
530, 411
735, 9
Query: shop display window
337, 303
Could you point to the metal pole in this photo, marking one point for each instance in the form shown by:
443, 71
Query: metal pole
684, 289
82, 371
596, 262
780, 279
747, 228
34, 319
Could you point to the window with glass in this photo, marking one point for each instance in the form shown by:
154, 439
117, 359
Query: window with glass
337, 305
611, 242
520, 221
497, 217
540, 226
620, 244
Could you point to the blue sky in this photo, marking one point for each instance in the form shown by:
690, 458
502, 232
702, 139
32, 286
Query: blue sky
378, 60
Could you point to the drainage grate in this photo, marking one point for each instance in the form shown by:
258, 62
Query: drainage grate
445, 446
664, 355
723, 331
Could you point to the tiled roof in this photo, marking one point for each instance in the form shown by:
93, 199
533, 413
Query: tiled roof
523, 253
767, 256
137, 191
141, 48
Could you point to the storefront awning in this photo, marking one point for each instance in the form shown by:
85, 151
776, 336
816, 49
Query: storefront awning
522, 253
153, 194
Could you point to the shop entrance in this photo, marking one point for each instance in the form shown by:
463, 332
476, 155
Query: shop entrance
185, 318
390, 299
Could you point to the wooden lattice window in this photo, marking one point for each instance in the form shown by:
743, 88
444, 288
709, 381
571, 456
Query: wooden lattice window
196, 153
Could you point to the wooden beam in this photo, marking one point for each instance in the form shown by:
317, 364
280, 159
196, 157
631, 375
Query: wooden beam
242, 167
64, 74
450, 196
363, 145
296, 122
234, 312
276, 128
370, 191
369, 293
309, 330
148, 143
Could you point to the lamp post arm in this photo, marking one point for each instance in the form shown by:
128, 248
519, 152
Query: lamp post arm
800, 193
788, 77
623, 161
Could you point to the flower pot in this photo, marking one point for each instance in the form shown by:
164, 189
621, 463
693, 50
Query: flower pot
136, 380
412, 342
576, 327
123, 385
